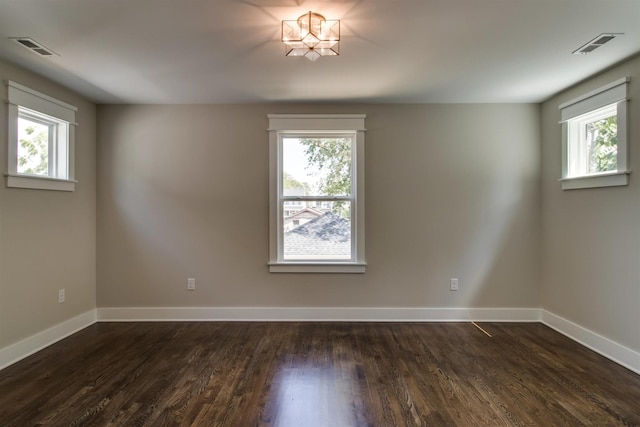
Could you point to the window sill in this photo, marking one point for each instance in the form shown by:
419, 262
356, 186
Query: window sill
40, 183
612, 179
295, 267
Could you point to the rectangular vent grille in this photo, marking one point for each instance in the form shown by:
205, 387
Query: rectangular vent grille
595, 43
34, 46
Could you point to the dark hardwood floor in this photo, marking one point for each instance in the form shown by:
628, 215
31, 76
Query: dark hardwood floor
317, 374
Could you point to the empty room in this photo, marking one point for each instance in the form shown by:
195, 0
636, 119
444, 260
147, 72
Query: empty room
320, 213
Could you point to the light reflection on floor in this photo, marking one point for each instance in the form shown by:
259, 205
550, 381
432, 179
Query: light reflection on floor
313, 396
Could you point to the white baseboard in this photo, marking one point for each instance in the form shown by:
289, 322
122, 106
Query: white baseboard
620, 354
604, 346
18, 351
319, 314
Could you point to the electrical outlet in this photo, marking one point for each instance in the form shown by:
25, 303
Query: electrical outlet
191, 284
453, 285
61, 296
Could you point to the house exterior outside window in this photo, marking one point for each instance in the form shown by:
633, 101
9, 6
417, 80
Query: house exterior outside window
316, 193
594, 138
41, 140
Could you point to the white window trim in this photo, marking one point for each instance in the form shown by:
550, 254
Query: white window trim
614, 93
22, 96
291, 124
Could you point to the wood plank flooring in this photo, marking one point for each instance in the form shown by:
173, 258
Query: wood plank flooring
317, 374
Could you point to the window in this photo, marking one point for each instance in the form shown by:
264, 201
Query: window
316, 193
40, 141
594, 133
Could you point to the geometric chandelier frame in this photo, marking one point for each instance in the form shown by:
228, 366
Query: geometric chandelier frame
311, 36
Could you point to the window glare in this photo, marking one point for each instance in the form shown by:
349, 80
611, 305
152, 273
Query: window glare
593, 142
316, 166
602, 145
33, 147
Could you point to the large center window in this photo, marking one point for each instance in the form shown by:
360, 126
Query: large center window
317, 197
317, 209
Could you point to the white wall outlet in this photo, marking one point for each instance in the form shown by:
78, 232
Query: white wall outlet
453, 284
191, 284
61, 296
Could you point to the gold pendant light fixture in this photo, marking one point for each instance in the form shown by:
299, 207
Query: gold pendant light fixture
311, 36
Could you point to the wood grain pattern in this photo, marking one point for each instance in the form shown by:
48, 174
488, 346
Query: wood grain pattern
317, 374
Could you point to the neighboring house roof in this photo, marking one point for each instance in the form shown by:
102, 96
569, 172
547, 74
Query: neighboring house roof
327, 235
305, 213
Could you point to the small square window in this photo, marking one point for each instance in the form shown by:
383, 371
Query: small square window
40, 141
594, 150
43, 145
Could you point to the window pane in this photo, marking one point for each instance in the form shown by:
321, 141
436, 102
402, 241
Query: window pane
33, 147
316, 166
602, 145
320, 231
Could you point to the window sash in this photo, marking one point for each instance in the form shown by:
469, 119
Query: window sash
311, 198
315, 135
31, 118
578, 157
333, 258
57, 142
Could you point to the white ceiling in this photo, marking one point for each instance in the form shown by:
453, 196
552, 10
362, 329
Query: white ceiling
228, 51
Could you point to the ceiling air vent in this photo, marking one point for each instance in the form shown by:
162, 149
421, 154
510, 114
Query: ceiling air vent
595, 43
34, 46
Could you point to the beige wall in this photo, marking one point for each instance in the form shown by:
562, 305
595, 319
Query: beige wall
451, 191
47, 238
591, 243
